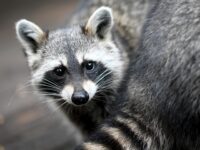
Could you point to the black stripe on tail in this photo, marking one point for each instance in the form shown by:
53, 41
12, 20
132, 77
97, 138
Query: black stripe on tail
129, 134
106, 140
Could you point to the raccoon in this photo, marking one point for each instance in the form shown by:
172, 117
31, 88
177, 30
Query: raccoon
78, 67
163, 107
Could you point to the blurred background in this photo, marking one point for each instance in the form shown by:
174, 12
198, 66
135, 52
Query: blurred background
25, 122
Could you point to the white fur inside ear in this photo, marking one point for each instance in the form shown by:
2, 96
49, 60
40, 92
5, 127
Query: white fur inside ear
27, 30
100, 22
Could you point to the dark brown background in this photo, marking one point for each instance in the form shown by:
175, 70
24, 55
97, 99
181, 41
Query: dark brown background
25, 122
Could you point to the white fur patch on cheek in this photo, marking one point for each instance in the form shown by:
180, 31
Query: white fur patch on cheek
67, 92
90, 87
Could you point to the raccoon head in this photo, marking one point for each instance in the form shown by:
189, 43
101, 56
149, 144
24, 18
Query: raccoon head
74, 64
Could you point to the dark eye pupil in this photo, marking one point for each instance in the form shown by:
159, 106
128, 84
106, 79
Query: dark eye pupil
59, 71
89, 65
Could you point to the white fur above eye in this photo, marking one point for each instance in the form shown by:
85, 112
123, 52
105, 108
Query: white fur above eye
110, 58
47, 65
101, 22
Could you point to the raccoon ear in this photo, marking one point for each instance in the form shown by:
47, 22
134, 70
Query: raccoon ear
30, 35
100, 23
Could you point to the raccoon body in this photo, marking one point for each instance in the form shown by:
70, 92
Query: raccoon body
80, 67
162, 112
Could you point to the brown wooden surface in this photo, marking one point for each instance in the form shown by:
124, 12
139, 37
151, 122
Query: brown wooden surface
25, 122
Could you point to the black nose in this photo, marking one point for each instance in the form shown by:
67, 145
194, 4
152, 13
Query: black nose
80, 97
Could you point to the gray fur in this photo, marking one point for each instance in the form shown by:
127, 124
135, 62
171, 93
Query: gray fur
163, 82
129, 16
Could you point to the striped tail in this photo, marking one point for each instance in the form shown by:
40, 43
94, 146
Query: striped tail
122, 132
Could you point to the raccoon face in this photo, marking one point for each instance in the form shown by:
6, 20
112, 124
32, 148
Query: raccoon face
74, 64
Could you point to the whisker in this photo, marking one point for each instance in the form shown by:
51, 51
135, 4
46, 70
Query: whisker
101, 75
51, 82
105, 75
60, 106
47, 85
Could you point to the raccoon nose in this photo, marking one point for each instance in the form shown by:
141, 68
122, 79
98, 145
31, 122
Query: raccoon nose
80, 97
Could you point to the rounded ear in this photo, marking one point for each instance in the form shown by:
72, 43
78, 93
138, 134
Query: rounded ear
30, 35
100, 23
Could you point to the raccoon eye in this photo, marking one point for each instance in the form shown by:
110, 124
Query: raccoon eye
90, 65
60, 72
